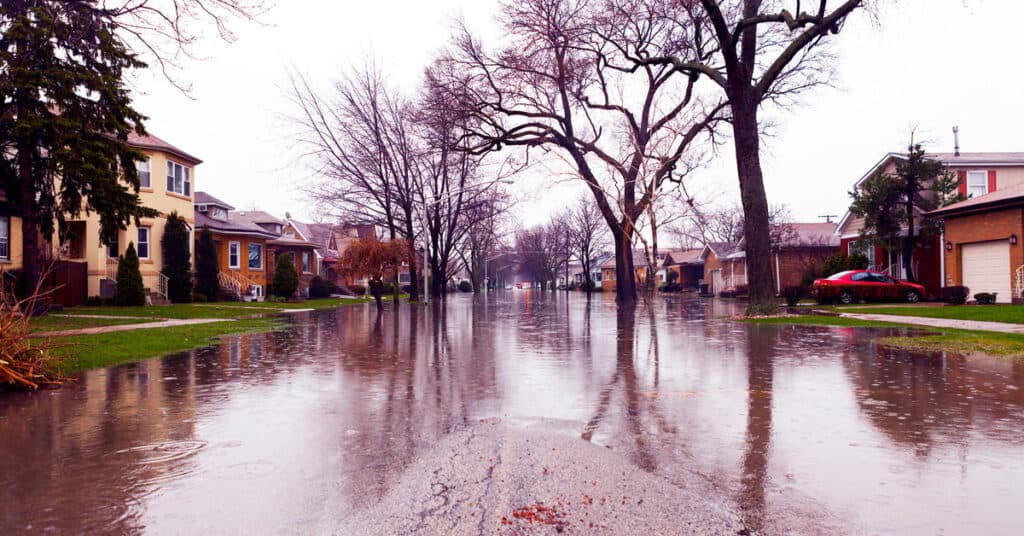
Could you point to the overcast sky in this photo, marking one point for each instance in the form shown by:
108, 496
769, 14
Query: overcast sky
927, 63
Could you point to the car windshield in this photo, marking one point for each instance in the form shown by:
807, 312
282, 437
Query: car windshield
840, 275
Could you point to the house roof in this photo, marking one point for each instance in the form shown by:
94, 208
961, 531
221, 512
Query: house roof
676, 257
255, 217
232, 226
154, 143
1009, 196
817, 234
720, 249
203, 198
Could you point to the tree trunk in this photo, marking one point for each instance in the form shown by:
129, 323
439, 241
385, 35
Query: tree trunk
908, 242
756, 229
625, 275
32, 259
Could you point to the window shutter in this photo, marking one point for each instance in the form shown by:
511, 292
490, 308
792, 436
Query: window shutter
991, 180
962, 176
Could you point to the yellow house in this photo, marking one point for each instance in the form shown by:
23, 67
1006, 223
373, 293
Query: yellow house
167, 178
10, 234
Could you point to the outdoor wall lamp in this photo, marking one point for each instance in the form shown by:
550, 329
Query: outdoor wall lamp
949, 246
1013, 240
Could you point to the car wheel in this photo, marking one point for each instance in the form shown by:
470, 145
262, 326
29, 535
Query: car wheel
846, 297
913, 296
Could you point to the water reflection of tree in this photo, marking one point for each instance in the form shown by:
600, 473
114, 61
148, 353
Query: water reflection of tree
924, 399
761, 344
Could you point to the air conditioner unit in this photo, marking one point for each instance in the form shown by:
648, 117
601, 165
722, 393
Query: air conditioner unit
201, 208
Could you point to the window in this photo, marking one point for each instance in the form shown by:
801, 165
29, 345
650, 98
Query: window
218, 213
178, 179
306, 268
255, 256
977, 183
234, 250
143, 247
114, 248
861, 276
145, 177
403, 278
5, 238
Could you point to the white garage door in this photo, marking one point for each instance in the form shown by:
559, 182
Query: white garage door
986, 268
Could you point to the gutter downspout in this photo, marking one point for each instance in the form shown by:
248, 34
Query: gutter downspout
942, 265
778, 275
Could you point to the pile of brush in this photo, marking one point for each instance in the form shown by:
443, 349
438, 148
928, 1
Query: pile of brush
24, 362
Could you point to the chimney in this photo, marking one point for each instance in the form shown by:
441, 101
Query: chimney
956, 141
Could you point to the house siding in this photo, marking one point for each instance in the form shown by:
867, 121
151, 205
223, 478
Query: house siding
252, 276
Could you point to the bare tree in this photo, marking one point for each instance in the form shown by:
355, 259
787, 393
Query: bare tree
567, 80
484, 237
543, 251
710, 224
587, 233
362, 144
756, 51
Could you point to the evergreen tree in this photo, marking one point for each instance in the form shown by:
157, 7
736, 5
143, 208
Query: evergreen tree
177, 259
207, 266
65, 113
890, 203
286, 279
130, 290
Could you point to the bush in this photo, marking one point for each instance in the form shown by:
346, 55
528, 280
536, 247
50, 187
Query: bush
672, 276
130, 291
207, 266
955, 295
465, 286
407, 289
286, 279
670, 287
727, 294
358, 290
793, 295
177, 259
857, 261
985, 298
94, 301
198, 297
319, 288
742, 290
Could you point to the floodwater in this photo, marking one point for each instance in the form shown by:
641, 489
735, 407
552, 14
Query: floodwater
796, 428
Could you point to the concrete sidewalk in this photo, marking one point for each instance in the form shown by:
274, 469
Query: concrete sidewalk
128, 327
976, 325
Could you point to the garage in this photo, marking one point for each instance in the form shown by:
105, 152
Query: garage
986, 268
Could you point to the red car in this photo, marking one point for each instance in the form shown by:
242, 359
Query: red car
856, 285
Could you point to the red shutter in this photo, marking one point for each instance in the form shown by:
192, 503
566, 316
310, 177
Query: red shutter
962, 175
991, 180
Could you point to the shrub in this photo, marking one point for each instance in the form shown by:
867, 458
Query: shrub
25, 363
207, 266
199, 297
319, 288
407, 289
130, 291
857, 261
358, 290
286, 279
177, 259
742, 290
793, 295
955, 295
94, 301
465, 286
985, 298
727, 294
672, 276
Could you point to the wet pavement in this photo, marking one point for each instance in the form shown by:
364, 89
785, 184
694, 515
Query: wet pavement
524, 414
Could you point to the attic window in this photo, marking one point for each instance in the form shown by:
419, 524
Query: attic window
218, 213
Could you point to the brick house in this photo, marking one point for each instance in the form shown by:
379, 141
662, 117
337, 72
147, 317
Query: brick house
688, 266
244, 269
294, 240
725, 266
979, 173
982, 248
803, 249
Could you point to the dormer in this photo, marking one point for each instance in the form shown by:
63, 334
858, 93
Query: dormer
211, 207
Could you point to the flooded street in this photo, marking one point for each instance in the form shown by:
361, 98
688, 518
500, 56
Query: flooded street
524, 413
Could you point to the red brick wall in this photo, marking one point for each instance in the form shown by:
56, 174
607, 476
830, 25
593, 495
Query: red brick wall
794, 264
997, 225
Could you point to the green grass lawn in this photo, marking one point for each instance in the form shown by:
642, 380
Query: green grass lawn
212, 310
46, 323
101, 350
937, 340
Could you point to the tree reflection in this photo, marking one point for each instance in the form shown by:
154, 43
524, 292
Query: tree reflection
761, 343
